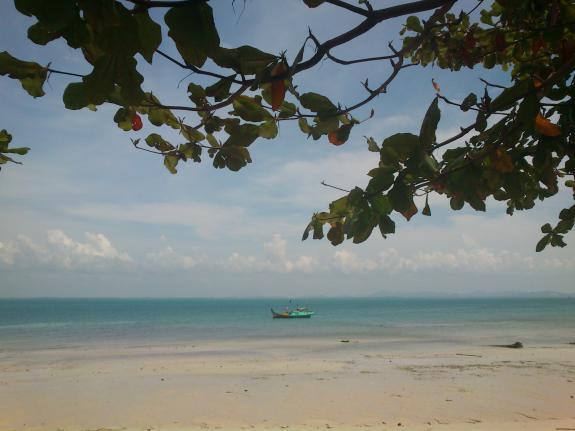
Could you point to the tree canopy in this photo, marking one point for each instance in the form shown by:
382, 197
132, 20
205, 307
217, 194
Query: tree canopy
518, 148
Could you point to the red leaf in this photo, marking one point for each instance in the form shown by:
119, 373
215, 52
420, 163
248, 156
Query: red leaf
333, 138
278, 86
410, 212
500, 42
136, 122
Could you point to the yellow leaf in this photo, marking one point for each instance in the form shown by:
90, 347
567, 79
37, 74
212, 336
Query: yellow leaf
546, 127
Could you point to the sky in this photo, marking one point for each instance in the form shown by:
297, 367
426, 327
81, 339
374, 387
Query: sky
87, 215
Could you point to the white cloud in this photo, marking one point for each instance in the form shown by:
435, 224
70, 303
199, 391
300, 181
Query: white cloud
465, 260
275, 259
168, 258
60, 250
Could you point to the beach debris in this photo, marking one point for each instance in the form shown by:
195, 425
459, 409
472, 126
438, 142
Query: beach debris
344, 341
516, 345
399, 424
528, 417
467, 354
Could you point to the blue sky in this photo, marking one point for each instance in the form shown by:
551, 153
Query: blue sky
87, 215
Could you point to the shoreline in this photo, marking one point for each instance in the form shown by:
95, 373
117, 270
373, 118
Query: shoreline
296, 384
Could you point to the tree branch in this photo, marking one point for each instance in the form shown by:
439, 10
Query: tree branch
349, 7
165, 3
198, 70
371, 21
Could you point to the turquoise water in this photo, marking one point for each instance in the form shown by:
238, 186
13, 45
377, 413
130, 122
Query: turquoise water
53, 323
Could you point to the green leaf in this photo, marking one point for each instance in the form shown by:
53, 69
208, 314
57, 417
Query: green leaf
158, 116
5, 139
212, 140
414, 24
489, 61
528, 110
335, 234
429, 125
401, 196
382, 179
372, 145
159, 143
170, 162
338, 207
456, 203
543, 242
246, 59
250, 109
242, 136
21, 150
268, 129
191, 133
481, 121
31, 75
221, 89
317, 103
232, 157
75, 96
287, 110
386, 225
150, 35
313, 3
364, 225
196, 93
191, 150
304, 126
381, 204
469, 102
398, 148
123, 119
510, 96
193, 30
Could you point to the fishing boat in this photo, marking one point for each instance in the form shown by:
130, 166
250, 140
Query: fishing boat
299, 312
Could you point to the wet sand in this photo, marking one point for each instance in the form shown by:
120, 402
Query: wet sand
288, 384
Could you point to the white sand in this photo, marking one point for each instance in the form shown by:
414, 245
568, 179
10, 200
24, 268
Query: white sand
291, 384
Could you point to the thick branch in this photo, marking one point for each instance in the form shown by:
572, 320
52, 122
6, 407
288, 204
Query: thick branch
165, 3
349, 7
374, 18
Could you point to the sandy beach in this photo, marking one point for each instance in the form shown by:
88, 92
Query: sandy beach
295, 384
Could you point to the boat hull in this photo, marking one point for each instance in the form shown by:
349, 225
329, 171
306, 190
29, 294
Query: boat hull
292, 314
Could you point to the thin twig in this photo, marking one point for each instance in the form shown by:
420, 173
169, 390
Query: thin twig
323, 183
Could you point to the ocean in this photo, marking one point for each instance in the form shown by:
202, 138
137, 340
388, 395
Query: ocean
36, 324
